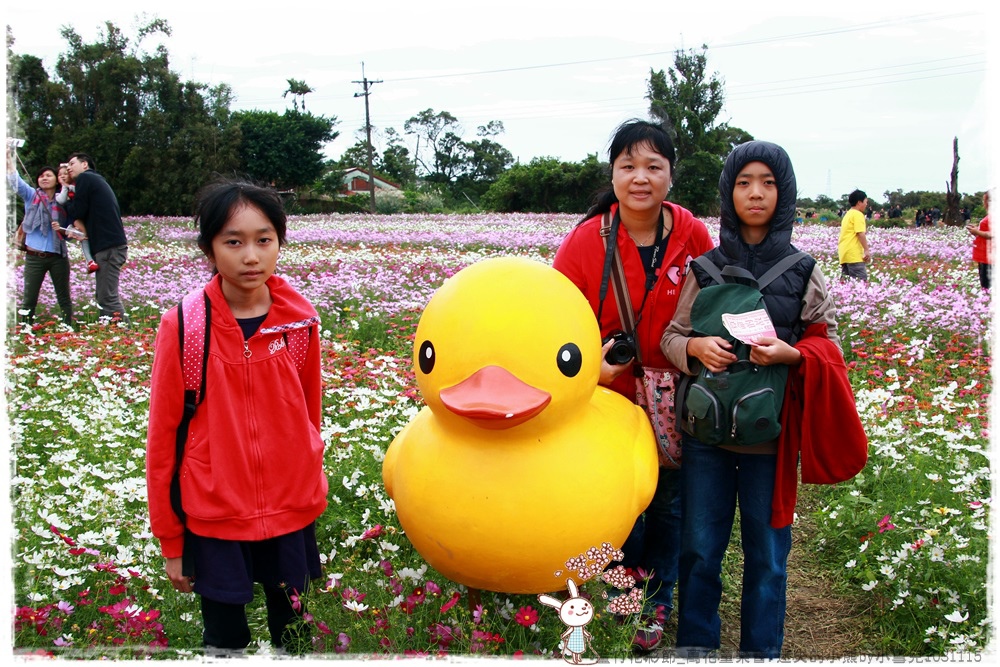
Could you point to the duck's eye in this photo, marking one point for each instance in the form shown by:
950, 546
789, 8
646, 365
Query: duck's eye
426, 357
569, 359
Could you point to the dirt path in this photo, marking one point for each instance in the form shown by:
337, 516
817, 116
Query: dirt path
820, 624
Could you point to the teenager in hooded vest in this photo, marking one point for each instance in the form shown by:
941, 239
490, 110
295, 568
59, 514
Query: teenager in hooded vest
758, 192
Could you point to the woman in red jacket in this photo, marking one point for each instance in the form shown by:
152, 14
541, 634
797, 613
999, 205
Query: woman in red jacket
982, 245
656, 241
251, 473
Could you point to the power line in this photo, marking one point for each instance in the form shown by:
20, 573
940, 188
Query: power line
724, 45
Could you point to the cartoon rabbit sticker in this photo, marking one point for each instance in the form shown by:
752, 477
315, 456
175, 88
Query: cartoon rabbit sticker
575, 613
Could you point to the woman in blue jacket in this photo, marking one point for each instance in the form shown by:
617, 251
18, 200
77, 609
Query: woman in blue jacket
45, 249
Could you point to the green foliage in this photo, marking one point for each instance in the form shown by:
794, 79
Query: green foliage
547, 185
154, 138
432, 127
464, 169
688, 103
284, 150
696, 183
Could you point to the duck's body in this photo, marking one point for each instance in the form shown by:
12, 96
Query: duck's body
520, 461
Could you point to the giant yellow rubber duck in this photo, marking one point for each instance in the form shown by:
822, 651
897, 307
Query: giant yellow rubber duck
519, 461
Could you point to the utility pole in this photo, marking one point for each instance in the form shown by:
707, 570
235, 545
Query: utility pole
368, 130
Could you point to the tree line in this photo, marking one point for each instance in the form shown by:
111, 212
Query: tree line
158, 138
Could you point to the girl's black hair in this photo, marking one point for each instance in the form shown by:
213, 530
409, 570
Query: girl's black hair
217, 201
627, 136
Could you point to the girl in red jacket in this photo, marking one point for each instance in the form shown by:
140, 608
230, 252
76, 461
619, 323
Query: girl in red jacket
251, 472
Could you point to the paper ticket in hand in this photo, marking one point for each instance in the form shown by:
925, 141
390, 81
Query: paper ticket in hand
749, 327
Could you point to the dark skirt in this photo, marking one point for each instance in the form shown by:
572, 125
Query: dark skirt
225, 570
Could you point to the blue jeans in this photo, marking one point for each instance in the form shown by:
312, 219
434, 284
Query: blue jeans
713, 481
654, 543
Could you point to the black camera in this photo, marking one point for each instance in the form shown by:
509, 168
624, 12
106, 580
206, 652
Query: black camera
622, 350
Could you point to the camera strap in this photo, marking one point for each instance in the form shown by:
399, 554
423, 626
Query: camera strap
614, 270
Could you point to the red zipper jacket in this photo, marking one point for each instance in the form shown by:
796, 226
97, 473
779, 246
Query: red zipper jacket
253, 462
581, 259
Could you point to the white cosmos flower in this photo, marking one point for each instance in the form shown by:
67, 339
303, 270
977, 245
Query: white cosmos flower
957, 616
354, 605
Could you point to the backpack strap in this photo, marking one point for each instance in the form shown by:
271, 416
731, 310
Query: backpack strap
194, 319
613, 265
779, 268
732, 271
711, 269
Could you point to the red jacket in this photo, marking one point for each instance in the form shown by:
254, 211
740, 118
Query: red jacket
982, 247
581, 259
819, 423
253, 462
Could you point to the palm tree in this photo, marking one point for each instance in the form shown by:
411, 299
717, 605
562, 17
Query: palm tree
297, 89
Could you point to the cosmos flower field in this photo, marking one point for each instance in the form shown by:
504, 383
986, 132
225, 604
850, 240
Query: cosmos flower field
908, 536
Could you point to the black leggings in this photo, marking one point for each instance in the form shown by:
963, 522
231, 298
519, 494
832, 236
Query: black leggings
226, 624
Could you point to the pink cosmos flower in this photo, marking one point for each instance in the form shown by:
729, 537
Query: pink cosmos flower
373, 532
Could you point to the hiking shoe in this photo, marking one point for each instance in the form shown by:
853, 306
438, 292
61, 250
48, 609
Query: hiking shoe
92, 266
647, 639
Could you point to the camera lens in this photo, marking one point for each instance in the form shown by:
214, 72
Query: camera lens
622, 350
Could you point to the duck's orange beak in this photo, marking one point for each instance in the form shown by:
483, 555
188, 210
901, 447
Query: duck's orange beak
493, 398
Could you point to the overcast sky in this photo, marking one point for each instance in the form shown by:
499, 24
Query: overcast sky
863, 95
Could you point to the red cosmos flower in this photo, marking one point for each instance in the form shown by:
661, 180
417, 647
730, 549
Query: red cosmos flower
417, 596
526, 616
65, 538
450, 603
149, 616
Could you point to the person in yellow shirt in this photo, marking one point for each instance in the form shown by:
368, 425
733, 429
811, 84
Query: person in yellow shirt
852, 247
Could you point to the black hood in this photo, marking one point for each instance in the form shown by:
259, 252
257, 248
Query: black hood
779, 235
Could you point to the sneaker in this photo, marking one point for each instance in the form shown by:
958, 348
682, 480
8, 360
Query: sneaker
92, 266
647, 639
